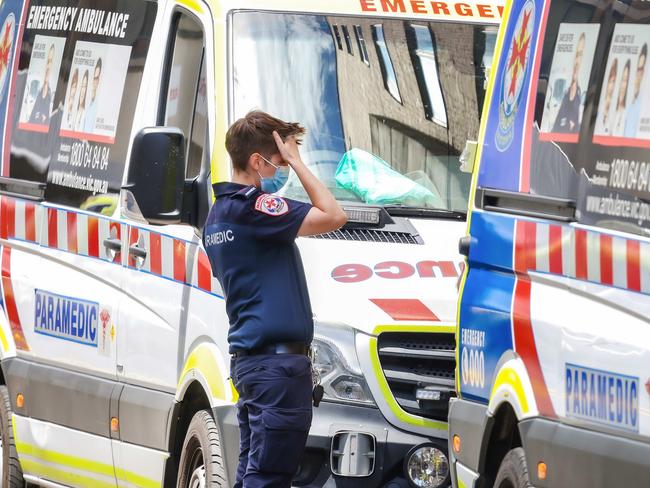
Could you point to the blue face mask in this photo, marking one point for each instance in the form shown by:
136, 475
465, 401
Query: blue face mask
275, 184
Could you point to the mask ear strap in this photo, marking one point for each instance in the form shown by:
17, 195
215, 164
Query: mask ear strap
276, 167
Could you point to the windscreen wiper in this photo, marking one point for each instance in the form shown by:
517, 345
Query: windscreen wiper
434, 213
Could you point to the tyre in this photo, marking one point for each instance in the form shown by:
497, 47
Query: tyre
201, 464
513, 472
12, 474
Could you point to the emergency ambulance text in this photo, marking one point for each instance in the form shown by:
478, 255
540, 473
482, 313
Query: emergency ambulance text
477, 10
85, 20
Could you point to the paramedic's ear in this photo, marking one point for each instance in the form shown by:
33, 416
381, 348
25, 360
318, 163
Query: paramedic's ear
254, 161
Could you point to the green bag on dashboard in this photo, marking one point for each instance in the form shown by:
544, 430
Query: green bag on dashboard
373, 180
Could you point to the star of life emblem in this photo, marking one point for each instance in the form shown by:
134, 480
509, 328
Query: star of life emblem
512, 87
105, 333
272, 205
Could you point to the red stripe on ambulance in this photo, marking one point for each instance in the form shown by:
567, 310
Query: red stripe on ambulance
155, 252
406, 309
93, 237
597, 257
10, 302
526, 347
72, 232
10, 215
30, 222
179, 261
52, 228
84, 235
555, 249
204, 271
634, 265
581, 254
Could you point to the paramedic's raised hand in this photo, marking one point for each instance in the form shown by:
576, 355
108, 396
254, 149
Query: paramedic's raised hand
327, 215
288, 149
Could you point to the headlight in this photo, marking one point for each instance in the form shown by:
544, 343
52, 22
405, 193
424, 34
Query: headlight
336, 362
427, 467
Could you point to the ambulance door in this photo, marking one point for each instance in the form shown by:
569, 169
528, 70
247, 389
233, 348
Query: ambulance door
70, 334
159, 262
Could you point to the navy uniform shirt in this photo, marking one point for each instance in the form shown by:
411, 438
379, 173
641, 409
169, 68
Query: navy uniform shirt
250, 240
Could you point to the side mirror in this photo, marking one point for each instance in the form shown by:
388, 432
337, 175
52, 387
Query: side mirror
156, 178
468, 157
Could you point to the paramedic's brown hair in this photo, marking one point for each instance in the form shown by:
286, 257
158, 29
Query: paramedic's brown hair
254, 134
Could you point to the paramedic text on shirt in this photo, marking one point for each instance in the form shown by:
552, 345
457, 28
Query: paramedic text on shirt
568, 116
250, 237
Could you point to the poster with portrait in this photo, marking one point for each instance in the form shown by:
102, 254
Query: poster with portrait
618, 186
42, 83
568, 79
94, 94
90, 54
10, 15
623, 115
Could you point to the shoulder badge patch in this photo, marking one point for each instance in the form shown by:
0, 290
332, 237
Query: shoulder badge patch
272, 205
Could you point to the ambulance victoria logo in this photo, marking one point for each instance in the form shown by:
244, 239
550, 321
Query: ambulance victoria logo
6, 48
515, 72
272, 205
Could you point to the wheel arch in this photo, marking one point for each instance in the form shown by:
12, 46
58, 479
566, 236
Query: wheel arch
503, 436
511, 401
205, 365
194, 400
201, 386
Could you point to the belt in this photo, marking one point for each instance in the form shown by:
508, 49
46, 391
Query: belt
282, 348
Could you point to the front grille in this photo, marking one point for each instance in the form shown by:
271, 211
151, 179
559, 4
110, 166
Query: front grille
366, 235
415, 360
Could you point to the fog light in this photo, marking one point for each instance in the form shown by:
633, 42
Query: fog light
350, 388
427, 467
428, 393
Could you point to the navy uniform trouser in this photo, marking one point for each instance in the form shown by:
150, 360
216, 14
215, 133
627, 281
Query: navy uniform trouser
274, 412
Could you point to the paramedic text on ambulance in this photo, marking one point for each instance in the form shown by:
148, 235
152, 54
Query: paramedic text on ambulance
249, 238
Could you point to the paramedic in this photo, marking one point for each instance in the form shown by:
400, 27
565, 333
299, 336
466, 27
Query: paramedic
250, 240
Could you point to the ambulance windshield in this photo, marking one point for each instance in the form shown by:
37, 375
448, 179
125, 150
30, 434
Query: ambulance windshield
388, 104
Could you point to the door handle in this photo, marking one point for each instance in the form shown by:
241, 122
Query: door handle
113, 244
138, 252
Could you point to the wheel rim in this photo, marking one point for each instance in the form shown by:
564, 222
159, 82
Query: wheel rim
198, 478
197, 468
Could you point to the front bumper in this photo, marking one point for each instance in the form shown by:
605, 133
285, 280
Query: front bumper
392, 446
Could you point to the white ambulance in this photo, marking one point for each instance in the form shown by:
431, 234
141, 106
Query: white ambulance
554, 312
115, 369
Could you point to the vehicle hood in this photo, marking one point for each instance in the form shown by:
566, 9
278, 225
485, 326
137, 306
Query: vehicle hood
369, 284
